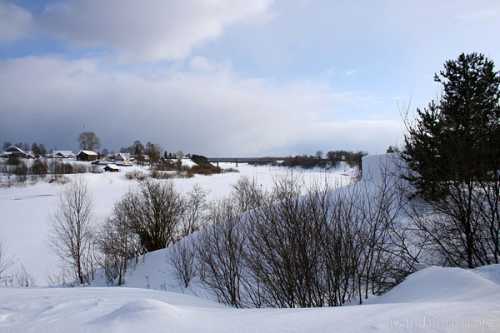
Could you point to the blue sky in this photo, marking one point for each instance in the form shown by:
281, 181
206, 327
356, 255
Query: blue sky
229, 77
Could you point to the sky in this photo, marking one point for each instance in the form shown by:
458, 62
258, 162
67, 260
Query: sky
230, 77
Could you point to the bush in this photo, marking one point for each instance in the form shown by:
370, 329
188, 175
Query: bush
118, 244
39, 167
206, 170
63, 168
21, 172
220, 254
305, 248
136, 175
183, 260
154, 214
157, 174
165, 165
13, 160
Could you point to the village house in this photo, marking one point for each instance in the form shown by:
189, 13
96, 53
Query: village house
87, 155
63, 154
111, 168
122, 157
14, 151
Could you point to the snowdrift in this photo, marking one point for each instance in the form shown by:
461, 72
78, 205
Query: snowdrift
434, 284
433, 300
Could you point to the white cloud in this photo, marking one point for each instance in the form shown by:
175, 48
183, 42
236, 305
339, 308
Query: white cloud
480, 15
216, 112
147, 30
15, 22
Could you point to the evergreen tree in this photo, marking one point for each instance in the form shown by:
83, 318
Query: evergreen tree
42, 149
6, 145
457, 138
35, 149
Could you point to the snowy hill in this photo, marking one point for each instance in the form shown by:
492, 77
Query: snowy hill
435, 299
27, 211
154, 270
432, 300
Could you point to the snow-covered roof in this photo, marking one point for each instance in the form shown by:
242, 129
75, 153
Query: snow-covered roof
63, 152
88, 152
112, 166
17, 151
122, 156
12, 149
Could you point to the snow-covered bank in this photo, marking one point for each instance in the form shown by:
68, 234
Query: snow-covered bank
432, 300
25, 211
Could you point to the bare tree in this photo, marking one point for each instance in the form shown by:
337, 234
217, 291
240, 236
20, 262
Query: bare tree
153, 151
89, 141
220, 253
5, 261
194, 211
306, 246
23, 279
183, 259
154, 214
118, 244
247, 194
71, 234
284, 245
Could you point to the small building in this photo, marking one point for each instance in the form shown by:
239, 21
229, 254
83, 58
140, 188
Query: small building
87, 155
14, 151
63, 154
111, 168
122, 157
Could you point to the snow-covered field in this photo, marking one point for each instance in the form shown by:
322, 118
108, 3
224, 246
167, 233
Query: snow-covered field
25, 211
432, 300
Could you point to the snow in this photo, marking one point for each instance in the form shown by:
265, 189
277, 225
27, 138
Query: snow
448, 283
88, 152
491, 272
187, 162
116, 309
26, 211
377, 166
435, 299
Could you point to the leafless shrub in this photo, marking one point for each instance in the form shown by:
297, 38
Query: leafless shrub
195, 206
158, 174
71, 234
247, 194
154, 214
39, 168
306, 246
136, 175
23, 279
463, 228
21, 172
220, 253
5, 261
284, 244
182, 259
61, 168
118, 244
61, 278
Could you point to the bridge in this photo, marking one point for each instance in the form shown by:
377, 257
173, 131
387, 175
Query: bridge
244, 159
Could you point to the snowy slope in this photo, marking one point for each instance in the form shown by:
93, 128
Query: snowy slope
25, 211
419, 304
154, 270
